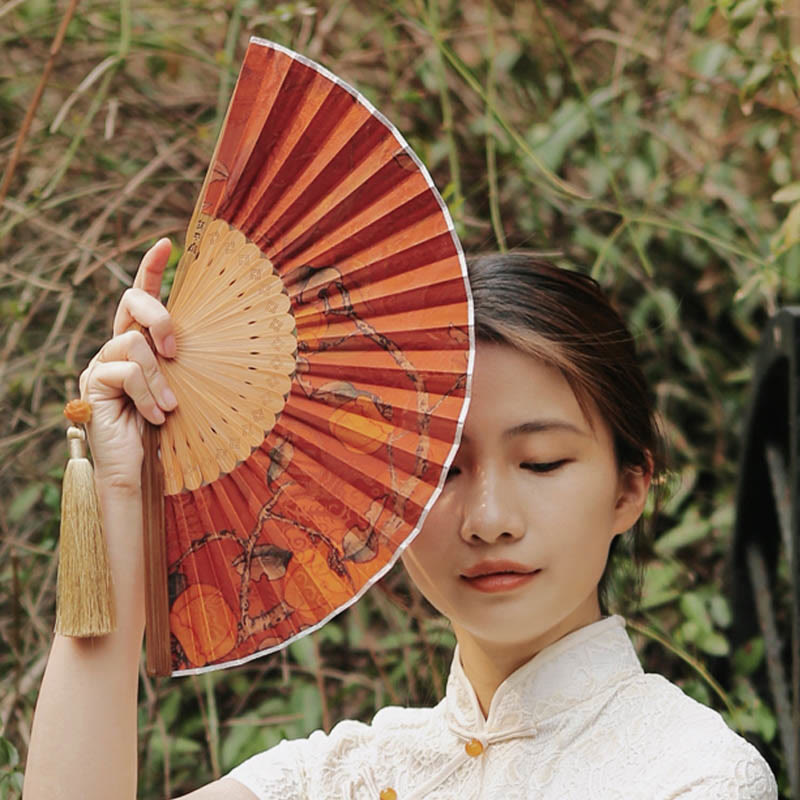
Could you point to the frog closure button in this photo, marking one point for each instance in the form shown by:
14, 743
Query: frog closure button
389, 794
473, 747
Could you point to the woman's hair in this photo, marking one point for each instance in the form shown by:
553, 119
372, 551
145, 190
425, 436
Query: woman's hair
564, 319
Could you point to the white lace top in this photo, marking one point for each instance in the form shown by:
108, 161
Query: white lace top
580, 721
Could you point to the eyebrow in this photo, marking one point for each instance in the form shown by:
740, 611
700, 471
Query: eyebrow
539, 426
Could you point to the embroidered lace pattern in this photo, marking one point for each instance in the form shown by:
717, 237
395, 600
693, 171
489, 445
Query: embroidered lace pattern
581, 720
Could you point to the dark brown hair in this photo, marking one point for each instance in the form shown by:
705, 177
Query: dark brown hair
565, 319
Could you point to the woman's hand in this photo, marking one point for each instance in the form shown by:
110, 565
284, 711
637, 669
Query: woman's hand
126, 369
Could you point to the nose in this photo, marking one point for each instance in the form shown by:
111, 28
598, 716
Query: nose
490, 508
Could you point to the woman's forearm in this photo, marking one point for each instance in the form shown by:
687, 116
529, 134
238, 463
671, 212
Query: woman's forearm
83, 740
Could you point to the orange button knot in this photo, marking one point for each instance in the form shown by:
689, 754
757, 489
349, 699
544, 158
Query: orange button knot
389, 794
473, 747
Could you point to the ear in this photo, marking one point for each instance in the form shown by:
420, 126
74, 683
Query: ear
634, 483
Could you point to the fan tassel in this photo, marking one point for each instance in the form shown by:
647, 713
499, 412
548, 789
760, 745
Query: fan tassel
84, 595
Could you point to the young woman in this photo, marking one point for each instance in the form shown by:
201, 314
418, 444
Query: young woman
546, 697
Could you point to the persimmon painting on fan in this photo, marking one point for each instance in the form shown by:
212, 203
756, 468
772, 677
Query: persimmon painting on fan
494, 431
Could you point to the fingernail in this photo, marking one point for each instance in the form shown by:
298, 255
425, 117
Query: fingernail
169, 398
159, 415
170, 347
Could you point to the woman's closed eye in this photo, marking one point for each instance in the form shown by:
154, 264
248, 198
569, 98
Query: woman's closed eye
539, 467
544, 466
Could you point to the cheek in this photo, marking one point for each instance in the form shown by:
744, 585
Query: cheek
437, 531
577, 515
428, 562
423, 554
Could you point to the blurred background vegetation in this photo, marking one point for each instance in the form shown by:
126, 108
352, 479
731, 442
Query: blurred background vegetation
647, 143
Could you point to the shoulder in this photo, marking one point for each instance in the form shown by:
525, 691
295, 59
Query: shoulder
691, 745
289, 770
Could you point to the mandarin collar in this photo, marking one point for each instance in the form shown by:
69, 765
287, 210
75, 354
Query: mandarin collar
567, 672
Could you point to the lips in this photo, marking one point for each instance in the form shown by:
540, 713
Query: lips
497, 567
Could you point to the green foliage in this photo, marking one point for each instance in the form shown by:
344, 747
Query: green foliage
652, 145
10, 771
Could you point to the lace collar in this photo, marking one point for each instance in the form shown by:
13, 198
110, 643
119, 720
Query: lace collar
572, 670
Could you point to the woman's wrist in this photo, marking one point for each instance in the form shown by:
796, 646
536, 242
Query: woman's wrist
122, 515
116, 487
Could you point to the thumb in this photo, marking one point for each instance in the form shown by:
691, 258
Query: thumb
152, 266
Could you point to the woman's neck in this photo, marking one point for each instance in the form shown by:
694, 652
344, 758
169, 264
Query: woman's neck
488, 663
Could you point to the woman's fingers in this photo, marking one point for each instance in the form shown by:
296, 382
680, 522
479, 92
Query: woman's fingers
145, 384
113, 378
141, 302
141, 377
138, 306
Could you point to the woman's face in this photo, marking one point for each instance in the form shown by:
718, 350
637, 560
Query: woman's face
533, 482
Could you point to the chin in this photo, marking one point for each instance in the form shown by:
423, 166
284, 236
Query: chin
511, 630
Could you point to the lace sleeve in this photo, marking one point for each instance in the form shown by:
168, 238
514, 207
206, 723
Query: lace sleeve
748, 778
299, 769
278, 773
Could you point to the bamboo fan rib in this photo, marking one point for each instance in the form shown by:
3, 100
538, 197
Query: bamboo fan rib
237, 350
325, 348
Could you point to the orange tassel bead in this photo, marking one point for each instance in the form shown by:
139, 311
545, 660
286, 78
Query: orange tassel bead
389, 794
78, 411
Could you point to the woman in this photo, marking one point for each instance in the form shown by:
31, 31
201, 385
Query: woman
546, 697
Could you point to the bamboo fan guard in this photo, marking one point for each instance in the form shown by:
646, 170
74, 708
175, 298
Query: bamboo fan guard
324, 352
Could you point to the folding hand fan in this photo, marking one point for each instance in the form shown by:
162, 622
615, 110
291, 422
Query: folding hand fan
324, 353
